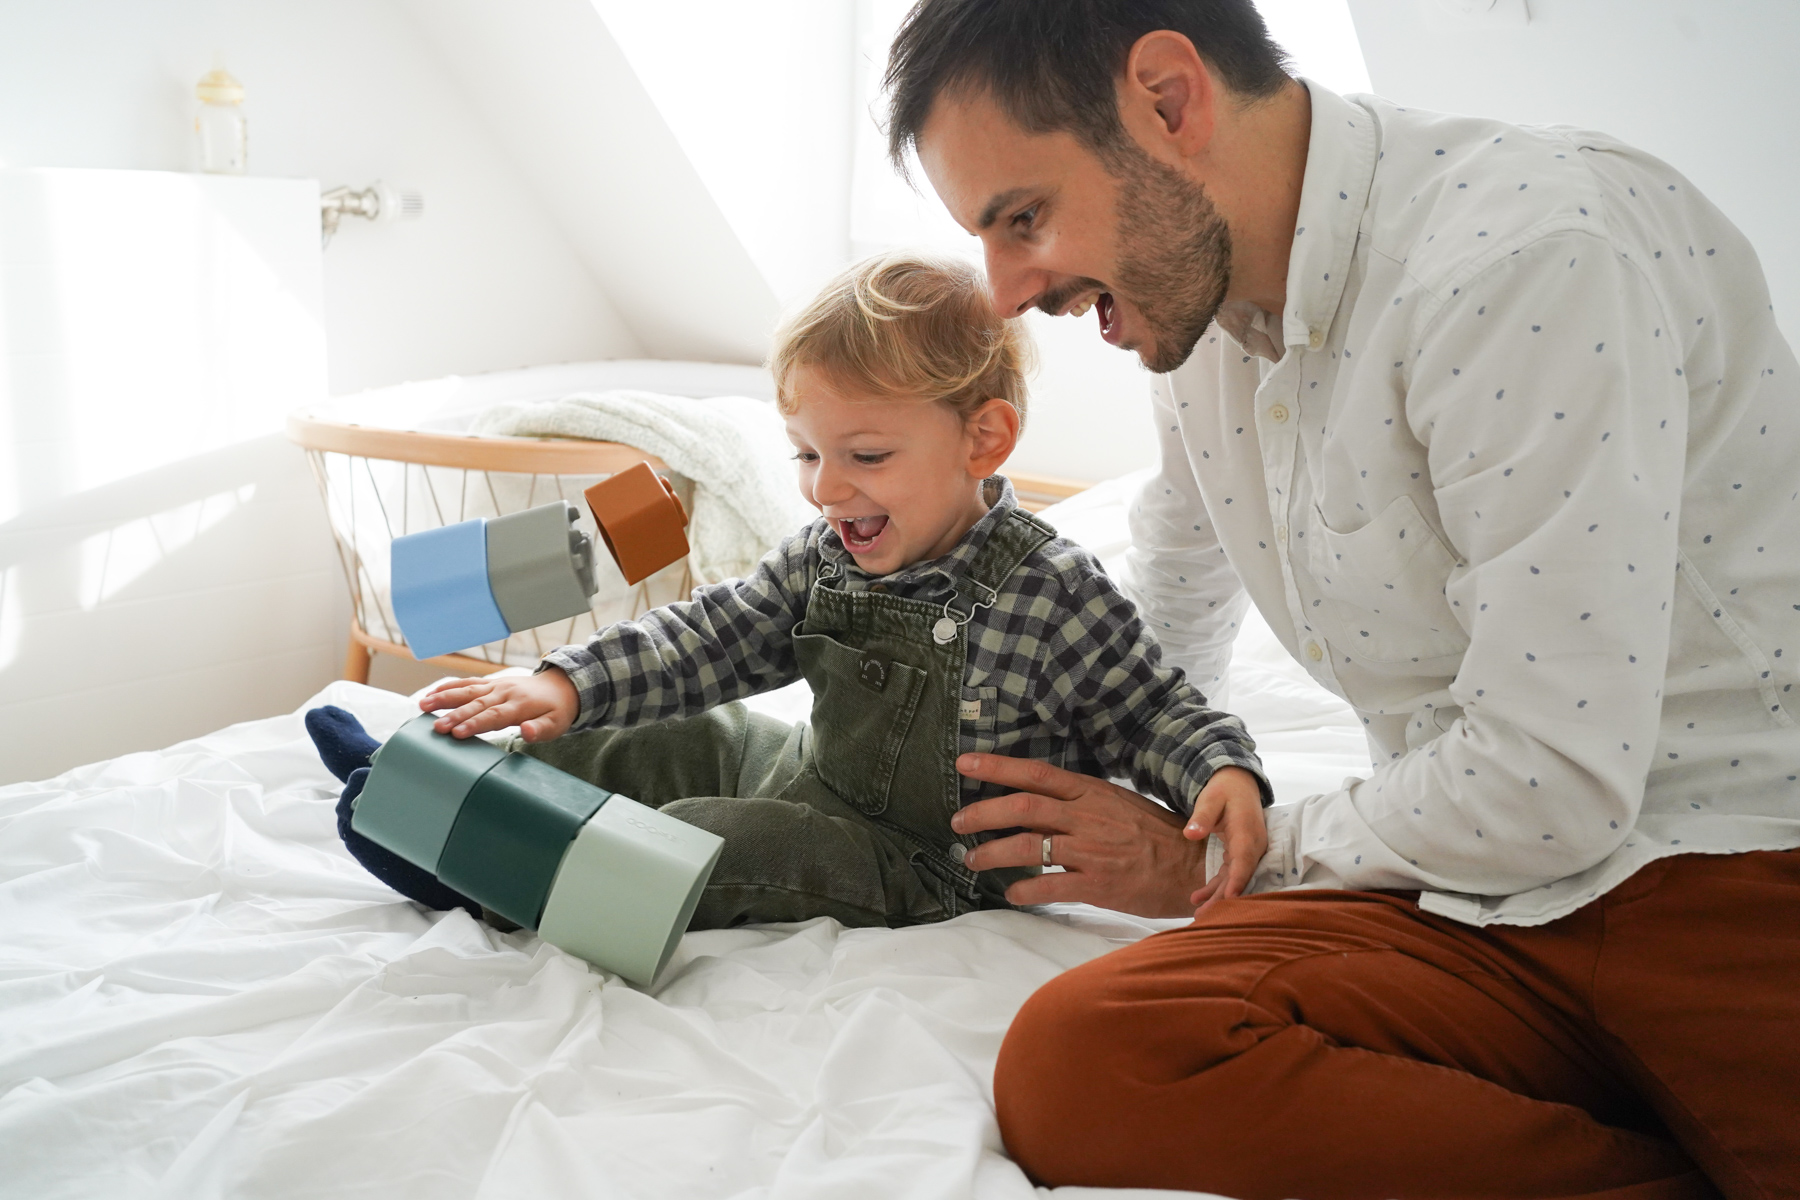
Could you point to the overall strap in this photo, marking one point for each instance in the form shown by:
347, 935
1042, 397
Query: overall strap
1013, 541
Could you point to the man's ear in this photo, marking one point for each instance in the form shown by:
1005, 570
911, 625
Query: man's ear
992, 432
1168, 97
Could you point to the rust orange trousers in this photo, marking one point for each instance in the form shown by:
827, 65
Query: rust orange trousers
1328, 1045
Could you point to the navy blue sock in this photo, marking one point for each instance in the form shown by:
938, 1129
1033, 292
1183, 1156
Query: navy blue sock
342, 742
415, 883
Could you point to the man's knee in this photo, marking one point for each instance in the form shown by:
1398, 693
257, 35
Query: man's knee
1092, 1050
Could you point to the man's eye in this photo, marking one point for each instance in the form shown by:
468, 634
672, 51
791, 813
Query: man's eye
1026, 219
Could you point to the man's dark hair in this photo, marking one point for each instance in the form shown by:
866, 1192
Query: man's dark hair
1055, 64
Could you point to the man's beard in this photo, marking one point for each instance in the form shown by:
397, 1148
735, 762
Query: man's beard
1174, 255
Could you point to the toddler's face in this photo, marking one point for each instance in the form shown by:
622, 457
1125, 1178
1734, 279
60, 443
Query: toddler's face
899, 480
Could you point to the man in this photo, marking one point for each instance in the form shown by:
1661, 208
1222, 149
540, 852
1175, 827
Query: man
1496, 429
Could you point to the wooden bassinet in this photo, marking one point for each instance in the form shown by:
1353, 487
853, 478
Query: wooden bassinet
379, 483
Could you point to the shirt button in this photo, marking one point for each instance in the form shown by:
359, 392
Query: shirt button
1279, 413
958, 852
1315, 339
1313, 652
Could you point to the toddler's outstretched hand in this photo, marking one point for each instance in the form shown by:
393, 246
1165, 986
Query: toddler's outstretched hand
543, 706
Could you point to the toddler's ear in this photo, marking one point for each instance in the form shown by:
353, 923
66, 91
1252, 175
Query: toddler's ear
992, 432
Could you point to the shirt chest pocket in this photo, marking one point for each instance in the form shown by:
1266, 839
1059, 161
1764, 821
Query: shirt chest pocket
1383, 588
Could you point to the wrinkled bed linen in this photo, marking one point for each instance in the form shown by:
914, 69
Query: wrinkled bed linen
202, 996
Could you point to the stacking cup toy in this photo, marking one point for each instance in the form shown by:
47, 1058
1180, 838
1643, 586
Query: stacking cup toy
479, 581
641, 518
592, 872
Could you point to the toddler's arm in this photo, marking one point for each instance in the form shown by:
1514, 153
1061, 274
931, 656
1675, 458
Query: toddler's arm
731, 640
1144, 719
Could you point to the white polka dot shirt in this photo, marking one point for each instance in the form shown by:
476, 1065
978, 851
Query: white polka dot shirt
1517, 475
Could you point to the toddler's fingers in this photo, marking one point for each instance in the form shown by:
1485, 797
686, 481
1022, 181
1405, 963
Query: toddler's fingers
1207, 807
453, 693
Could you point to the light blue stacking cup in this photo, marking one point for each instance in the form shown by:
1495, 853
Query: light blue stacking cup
440, 589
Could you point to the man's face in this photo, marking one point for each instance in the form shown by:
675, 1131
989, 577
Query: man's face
1064, 231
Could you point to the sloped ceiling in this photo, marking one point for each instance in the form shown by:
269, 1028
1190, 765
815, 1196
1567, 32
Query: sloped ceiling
552, 82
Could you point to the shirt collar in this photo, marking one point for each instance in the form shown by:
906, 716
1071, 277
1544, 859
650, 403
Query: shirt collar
1340, 168
952, 566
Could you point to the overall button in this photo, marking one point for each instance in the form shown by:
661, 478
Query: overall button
958, 852
1315, 339
1279, 414
1281, 533
874, 673
1313, 652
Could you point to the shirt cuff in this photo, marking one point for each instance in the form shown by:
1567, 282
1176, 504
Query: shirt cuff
592, 686
1279, 867
1232, 754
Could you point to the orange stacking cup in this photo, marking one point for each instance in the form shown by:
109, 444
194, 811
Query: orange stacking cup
641, 520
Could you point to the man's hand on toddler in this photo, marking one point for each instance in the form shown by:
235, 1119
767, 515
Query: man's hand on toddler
1117, 849
543, 706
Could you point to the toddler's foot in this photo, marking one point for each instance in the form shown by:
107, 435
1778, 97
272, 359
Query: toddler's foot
343, 744
415, 883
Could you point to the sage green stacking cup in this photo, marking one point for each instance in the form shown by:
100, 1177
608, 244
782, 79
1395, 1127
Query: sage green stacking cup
594, 873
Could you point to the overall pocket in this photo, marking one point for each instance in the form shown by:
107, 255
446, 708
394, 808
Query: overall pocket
863, 706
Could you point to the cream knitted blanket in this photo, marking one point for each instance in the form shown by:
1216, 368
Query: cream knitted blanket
733, 449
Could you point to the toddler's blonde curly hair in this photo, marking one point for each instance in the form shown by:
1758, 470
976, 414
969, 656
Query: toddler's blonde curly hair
906, 326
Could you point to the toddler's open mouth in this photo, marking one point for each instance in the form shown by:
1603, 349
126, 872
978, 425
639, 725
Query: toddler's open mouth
861, 533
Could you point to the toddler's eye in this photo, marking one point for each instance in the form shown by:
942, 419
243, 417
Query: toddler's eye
870, 460
805, 456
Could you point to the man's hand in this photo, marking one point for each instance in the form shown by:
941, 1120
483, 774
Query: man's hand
543, 706
1117, 849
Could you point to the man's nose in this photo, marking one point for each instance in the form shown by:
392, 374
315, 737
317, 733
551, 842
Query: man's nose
1013, 284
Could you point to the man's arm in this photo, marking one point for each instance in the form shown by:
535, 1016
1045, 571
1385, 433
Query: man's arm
1549, 395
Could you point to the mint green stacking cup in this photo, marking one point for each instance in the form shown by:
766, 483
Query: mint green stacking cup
594, 873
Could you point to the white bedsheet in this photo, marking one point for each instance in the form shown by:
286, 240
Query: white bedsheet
202, 995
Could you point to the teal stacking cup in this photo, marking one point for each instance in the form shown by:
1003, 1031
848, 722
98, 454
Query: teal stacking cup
594, 873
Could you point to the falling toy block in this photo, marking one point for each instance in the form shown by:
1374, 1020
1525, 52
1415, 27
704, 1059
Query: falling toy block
479, 581
594, 873
641, 519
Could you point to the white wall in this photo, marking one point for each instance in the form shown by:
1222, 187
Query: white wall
164, 569
343, 91
1708, 86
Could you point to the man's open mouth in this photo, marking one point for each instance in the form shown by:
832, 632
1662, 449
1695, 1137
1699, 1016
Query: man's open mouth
1108, 315
861, 533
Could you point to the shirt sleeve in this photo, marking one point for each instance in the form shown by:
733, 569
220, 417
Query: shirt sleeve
1176, 571
1548, 394
1106, 685
731, 640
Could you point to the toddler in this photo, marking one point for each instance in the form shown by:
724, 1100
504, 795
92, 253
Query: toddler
929, 613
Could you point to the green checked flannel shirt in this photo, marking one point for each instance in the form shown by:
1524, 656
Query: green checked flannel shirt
1060, 668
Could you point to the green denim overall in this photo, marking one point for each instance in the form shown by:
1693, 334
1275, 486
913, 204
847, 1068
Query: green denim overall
849, 815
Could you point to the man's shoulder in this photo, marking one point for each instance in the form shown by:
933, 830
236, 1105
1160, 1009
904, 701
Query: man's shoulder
1452, 195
